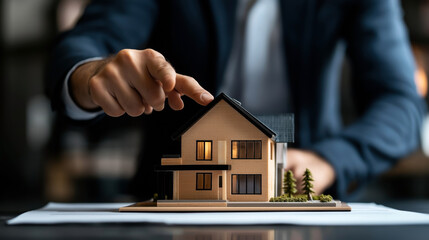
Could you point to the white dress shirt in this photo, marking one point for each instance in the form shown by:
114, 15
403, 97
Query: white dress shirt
256, 73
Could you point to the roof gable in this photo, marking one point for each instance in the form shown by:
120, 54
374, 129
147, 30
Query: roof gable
235, 105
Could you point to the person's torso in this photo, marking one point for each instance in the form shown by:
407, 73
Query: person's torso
197, 38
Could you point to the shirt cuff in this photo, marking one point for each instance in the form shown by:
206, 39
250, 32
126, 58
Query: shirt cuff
72, 110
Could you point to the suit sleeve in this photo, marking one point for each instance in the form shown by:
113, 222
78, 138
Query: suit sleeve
391, 111
106, 27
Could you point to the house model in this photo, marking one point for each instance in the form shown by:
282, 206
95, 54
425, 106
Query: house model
229, 154
230, 161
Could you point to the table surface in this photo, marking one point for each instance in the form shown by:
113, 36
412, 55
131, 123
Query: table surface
151, 231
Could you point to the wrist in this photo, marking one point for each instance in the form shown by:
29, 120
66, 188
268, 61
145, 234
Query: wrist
79, 84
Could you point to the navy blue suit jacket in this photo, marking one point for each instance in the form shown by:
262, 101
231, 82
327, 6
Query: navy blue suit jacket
196, 36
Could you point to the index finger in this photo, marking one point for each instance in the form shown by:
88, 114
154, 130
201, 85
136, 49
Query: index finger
188, 86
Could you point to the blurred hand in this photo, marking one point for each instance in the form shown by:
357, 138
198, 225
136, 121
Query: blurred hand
323, 173
133, 82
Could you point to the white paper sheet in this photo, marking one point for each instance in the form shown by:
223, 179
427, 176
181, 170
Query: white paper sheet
361, 214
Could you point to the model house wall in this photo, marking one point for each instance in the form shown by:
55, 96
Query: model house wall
227, 154
220, 126
221, 134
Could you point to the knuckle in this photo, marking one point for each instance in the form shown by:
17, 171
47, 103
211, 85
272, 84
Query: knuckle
125, 55
150, 53
109, 70
94, 86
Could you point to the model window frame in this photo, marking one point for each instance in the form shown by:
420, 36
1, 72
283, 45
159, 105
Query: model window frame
204, 150
238, 186
246, 143
204, 181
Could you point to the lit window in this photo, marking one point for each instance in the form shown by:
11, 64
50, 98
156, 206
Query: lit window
204, 181
234, 149
246, 149
204, 150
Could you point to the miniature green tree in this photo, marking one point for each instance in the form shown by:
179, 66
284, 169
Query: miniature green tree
307, 186
289, 184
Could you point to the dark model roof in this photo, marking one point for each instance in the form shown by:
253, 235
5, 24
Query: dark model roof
284, 125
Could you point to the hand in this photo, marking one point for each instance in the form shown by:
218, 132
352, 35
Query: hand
323, 173
133, 82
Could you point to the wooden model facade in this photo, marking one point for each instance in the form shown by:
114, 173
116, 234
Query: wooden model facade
228, 154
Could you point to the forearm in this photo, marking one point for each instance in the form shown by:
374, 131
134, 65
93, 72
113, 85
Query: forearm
387, 132
389, 107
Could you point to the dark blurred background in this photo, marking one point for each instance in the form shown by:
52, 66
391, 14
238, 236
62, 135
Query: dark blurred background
43, 158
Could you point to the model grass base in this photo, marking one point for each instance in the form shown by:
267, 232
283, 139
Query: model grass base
301, 198
225, 206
